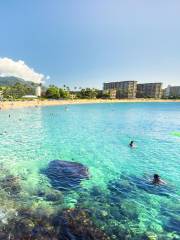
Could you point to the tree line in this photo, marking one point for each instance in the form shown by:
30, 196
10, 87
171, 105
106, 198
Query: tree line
19, 90
84, 93
16, 91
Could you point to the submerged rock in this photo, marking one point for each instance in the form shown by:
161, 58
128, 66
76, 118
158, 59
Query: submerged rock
66, 175
11, 184
30, 225
75, 224
3, 217
54, 196
50, 194
151, 236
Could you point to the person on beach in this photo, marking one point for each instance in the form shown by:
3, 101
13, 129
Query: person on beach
157, 180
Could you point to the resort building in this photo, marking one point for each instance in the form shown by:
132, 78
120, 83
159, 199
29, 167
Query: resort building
166, 92
125, 89
172, 91
149, 90
38, 91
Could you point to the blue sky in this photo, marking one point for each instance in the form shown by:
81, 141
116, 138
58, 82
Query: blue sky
87, 42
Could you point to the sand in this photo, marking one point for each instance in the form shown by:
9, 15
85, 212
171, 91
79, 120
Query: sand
35, 103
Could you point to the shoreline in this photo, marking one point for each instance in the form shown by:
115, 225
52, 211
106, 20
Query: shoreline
39, 103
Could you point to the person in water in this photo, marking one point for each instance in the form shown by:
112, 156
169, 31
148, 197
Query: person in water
131, 144
157, 180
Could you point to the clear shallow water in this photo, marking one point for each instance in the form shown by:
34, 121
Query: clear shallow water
97, 135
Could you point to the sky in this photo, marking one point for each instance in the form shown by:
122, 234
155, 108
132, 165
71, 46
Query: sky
83, 43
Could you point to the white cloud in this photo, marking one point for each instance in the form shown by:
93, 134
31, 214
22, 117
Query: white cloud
9, 67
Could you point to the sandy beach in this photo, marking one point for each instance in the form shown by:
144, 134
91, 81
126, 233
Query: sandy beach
35, 103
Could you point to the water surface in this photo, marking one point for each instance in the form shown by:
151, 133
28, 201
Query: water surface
117, 194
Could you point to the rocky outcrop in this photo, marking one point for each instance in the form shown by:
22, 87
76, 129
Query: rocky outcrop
65, 175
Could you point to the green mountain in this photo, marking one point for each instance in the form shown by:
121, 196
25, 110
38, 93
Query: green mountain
11, 81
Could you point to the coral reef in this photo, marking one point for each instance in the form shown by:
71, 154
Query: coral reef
76, 224
66, 225
11, 184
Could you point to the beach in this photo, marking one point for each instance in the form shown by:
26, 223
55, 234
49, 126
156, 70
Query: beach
35, 103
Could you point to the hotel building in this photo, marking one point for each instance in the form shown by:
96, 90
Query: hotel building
149, 90
172, 91
125, 89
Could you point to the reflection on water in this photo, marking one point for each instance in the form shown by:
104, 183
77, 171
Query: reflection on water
108, 194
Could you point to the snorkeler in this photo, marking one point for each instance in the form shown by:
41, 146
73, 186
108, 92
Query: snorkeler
131, 144
157, 180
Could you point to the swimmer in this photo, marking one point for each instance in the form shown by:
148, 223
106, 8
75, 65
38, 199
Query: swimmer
157, 180
131, 144
3, 133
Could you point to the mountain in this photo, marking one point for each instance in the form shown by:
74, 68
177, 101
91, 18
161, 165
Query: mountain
10, 81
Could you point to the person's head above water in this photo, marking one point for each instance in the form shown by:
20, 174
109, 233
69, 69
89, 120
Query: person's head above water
131, 143
156, 178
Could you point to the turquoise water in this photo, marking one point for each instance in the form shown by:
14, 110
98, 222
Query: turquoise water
121, 202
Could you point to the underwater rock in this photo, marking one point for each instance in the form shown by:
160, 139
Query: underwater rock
173, 217
96, 192
66, 175
3, 216
54, 196
30, 225
40, 193
151, 236
173, 225
75, 224
50, 194
3, 235
11, 184
120, 188
113, 211
104, 213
